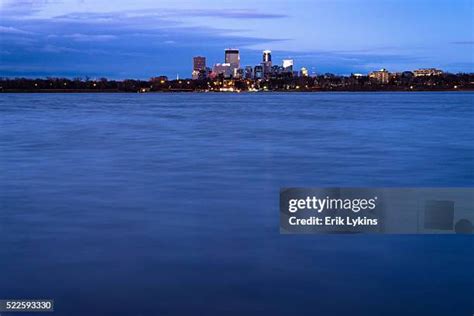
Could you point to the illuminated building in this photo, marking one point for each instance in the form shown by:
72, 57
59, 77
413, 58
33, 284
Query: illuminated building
304, 72
248, 72
426, 72
287, 65
225, 69
238, 73
258, 72
267, 61
199, 65
159, 79
381, 76
232, 57
275, 70
267, 56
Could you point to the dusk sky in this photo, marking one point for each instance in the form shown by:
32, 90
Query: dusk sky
145, 38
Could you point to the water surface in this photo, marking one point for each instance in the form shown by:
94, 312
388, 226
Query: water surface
167, 204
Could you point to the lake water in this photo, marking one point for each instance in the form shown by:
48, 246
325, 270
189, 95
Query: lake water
167, 204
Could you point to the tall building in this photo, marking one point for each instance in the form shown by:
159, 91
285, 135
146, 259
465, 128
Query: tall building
381, 76
258, 72
232, 57
225, 69
304, 72
276, 70
267, 61
267, 56
199, 65
238, 73
248, 72
287, 65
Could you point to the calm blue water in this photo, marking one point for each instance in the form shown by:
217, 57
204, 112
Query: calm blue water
167, 204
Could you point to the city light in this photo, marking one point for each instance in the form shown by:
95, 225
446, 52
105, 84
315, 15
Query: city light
269, 74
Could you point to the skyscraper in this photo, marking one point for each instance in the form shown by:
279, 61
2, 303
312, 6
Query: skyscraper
232, 57
304, 72
258, 72
223, 69
248, 72
267, 62
199, 64
267, 56
288, 65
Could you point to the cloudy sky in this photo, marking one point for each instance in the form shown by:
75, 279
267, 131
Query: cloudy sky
145, 38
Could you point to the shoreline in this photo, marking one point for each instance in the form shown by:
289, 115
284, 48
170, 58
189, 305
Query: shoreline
66, 91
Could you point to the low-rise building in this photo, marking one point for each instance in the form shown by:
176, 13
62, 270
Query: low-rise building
426, 72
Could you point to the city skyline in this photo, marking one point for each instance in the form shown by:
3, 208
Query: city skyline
149, 38
271, 69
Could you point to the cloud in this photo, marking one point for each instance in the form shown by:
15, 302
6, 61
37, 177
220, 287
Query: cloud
168, 13
23, 8
463, 43
13, 30
89, 17
79, 37
57, 49
126, 44
123, 25
229, 14
145, 43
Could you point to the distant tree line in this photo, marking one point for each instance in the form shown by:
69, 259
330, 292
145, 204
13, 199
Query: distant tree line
327, 82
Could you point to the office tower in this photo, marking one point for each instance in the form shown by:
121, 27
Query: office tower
275, 70
267, 62
199, 65
248, 72
258, 72
267, 56
304, 72
238, 73
223, 69
232, 57
287, 65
